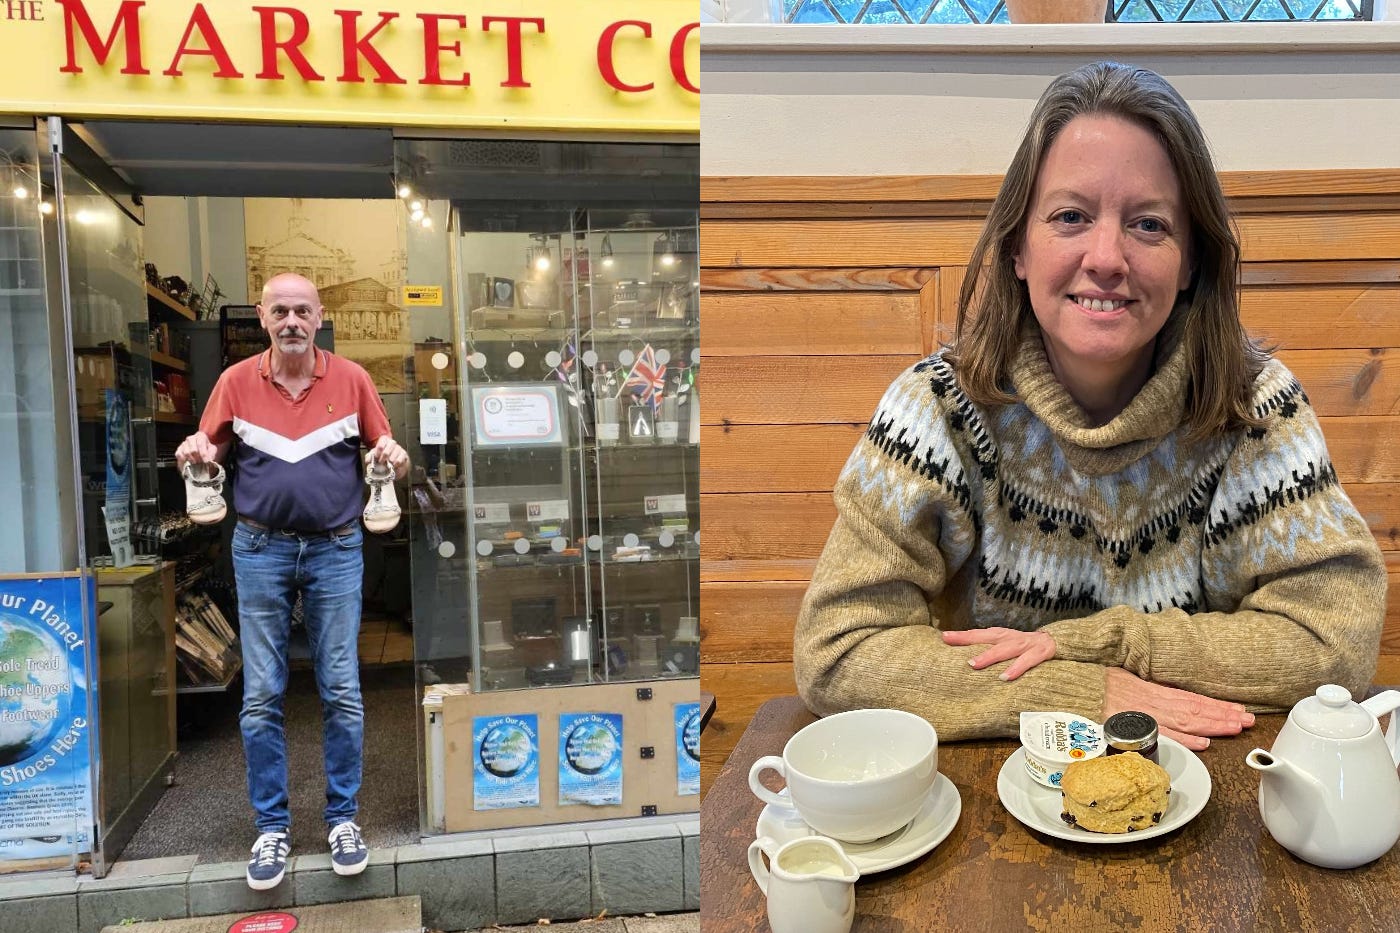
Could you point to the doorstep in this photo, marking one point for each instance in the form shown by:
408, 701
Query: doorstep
465, 882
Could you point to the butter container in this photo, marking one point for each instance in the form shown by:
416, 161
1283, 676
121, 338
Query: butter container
1053, 740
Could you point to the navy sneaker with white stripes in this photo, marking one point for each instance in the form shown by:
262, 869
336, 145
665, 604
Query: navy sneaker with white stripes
269, 861
349, 855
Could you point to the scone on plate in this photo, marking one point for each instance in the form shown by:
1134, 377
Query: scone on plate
1115, 793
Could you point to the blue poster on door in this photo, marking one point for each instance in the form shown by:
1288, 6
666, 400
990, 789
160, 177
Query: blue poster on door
687, 749
46, 740
505, 762
590, 759
117, 510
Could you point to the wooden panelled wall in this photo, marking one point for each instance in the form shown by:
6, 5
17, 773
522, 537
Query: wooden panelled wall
818, 291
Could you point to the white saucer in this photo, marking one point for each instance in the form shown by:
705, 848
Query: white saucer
1039, 807
930, 826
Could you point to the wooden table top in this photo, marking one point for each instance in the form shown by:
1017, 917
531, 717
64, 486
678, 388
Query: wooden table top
1220, 872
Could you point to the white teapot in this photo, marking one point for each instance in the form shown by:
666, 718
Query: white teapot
1329, 792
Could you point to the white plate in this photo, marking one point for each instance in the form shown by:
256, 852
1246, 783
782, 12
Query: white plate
930, 826
1039, 807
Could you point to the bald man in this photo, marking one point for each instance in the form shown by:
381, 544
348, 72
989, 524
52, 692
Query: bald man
299, 416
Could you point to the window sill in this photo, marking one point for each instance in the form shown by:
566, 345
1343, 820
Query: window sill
1120, 39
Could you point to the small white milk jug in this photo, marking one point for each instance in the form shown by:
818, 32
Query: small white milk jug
809, 883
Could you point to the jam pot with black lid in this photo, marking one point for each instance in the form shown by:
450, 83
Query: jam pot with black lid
1131, 731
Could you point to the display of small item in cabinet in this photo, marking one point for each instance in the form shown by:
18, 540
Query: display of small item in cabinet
533, 617
493, 640
606, 405
578, 647
648, 654
641, 427
684, 656
615, 657
502, 678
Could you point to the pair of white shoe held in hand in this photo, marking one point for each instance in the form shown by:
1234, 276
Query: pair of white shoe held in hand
204, 500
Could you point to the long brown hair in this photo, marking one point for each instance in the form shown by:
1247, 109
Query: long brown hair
1222, 361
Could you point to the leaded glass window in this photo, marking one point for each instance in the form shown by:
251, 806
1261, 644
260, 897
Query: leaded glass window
1124, 11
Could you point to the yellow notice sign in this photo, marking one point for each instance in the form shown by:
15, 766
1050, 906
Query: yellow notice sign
422, 296
621, 65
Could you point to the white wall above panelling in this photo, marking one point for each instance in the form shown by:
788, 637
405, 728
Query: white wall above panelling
165, 239
863, 100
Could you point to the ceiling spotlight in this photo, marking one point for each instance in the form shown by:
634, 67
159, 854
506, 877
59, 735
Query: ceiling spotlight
84, 216
21, 191
405, 191
415, 205
539, 258
666, 250
45, 207
427, 223
417, 214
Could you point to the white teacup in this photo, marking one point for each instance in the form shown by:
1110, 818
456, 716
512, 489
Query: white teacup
809, 884
855, 776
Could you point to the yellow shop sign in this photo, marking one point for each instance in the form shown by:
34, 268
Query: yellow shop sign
423, 296
539, 64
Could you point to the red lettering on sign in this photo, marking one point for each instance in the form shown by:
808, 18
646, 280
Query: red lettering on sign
214, 46
515, 72
265, 923
126, 23
356, 47
606, 66
291, 46
28, 11
433, 48
678, 57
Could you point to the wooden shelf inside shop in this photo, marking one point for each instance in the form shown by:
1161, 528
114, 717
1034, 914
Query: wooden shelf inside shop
168, 361
164, 300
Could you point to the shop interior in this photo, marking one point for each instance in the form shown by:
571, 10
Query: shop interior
459, 272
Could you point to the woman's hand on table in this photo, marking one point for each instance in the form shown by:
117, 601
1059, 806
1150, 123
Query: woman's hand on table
1023, 649
1190, 718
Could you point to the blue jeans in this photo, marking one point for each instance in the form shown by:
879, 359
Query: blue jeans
270, 567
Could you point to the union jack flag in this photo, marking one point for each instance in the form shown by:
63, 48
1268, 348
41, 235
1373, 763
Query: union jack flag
647, 380
568, 356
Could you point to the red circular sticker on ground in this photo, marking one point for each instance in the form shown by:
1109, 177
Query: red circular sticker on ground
265, 923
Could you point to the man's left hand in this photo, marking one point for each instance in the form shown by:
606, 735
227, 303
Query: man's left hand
388, 451
1023, 649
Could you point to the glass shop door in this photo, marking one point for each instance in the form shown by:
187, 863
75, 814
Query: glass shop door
122, 460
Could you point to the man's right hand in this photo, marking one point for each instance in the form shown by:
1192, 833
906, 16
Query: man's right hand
197, 448
1182, 715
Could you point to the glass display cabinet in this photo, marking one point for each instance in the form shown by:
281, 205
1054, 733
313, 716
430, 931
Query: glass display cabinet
553, 509
580, 466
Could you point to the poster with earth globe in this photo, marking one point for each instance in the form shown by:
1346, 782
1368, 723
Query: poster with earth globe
590, 759
506, 766
45, 736
687, 718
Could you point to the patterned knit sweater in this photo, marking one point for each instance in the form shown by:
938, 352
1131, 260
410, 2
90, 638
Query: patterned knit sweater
1234, 567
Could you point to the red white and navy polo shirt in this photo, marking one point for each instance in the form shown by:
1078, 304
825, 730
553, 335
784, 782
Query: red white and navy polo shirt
298, 462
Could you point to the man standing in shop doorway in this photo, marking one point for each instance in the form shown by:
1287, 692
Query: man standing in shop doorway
300, 415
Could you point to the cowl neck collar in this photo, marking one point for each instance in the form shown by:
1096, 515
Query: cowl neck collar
1156, 411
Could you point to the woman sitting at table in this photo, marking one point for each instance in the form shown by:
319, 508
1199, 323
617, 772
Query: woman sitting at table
1103, 481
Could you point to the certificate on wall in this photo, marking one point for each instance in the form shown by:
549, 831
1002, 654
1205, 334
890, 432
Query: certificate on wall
517, 415
506, 762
